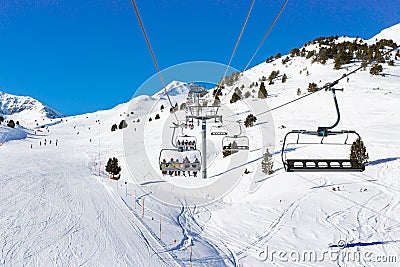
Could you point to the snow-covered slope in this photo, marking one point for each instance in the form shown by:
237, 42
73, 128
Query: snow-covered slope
26, 110
392, 32
58, 206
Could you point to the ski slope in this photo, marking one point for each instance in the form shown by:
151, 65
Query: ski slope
59, 208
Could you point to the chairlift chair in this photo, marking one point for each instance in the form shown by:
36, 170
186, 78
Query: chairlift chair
235, 142
219, 130
186, 143
322, 164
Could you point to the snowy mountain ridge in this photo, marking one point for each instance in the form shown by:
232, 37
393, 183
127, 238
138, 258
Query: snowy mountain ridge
26, 107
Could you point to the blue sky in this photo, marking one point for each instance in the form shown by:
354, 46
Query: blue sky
81, 56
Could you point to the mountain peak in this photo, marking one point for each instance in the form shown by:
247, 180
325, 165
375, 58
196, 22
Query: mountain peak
26, 108
392, 32
174, 88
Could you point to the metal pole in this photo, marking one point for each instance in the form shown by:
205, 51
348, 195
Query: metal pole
204, 148
126, 190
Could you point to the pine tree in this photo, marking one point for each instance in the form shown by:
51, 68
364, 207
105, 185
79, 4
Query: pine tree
284, 78
157, 117
235, 98
217, 91
376, 69
122, 124
11, 124
358, 151
250, 120
113, 169
274, 74
162, 108
312, 87
267, 163
262, 93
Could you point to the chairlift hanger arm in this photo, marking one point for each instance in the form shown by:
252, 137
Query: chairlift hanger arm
324, 131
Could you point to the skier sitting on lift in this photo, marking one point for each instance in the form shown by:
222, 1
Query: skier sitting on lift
186, 164
196, 161
178, 166
163, 167
172, 165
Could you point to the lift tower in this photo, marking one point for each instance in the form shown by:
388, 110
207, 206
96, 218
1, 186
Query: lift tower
197, 108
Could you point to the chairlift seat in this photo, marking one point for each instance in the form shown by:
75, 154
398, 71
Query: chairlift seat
235, 148
193, 166
219, 130
186, 148
219, 133
324, 165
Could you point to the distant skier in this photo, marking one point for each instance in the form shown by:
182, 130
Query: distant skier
31, 146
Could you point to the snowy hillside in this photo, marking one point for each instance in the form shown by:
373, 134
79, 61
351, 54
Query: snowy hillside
59, 206
389, 33
26, 110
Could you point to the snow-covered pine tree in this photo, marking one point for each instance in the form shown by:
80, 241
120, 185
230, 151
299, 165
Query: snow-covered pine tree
267, 163
262, 93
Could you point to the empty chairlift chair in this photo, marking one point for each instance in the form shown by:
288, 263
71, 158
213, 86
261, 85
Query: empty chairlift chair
219, 130
323, 140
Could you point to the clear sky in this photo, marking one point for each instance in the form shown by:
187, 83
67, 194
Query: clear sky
81, 56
